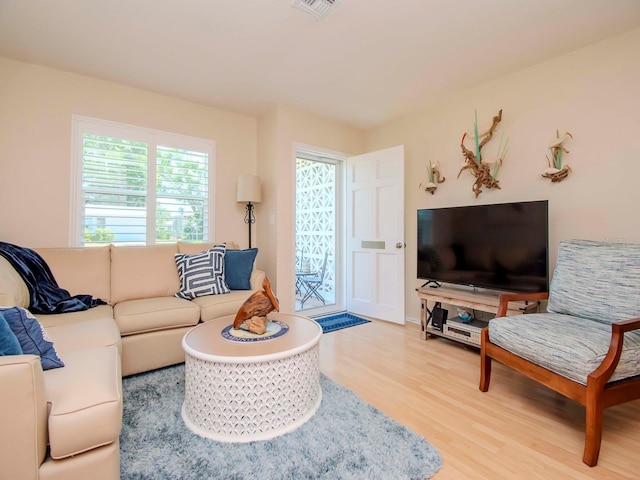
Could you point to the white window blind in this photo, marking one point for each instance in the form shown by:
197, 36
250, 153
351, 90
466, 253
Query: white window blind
139, 186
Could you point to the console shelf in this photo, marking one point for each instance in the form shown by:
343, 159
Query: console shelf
454, 328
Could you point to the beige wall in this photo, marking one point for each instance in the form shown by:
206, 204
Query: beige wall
36, 106
268, 154
594, 93
280, 130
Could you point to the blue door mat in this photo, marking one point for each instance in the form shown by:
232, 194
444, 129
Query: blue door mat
338, 321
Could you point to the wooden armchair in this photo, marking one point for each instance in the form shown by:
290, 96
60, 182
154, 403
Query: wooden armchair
587, 345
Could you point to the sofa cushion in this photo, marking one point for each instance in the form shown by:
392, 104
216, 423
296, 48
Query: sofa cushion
32, 336
85, 401
214, 306
9, 344
13, 290
150, 314
596, 280
567, 345
238, 265
201, 273
90, 333
81, 270
192, 247
143, 272
53, 319
257, 279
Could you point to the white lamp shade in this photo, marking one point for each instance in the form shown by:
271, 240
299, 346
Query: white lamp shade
249, 189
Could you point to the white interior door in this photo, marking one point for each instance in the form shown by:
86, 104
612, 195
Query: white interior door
375, 234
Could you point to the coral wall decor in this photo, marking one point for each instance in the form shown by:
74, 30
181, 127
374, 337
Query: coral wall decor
557, 171
433, 172
486, 172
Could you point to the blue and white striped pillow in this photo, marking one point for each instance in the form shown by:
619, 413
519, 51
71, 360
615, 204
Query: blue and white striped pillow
202, 274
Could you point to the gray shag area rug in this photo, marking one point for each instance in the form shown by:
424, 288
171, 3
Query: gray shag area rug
346, 439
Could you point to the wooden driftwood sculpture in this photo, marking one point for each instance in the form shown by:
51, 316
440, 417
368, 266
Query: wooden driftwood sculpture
252, 315
433, 171
557, 171
485, 177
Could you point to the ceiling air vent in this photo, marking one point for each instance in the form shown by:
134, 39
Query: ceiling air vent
318, 9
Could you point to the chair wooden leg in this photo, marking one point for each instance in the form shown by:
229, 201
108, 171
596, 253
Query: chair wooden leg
485, 362
593, 426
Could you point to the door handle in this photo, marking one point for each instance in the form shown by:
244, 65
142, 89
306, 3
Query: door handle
400, 245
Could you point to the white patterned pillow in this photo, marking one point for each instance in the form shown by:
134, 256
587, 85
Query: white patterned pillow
202, 274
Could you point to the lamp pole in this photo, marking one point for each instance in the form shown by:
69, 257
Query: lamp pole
249, 218
249, 192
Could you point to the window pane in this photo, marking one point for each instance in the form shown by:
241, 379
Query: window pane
316, 198
177, 220
182, 195
132, 188
114, 190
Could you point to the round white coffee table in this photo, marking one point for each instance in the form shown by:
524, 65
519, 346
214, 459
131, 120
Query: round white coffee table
242, 391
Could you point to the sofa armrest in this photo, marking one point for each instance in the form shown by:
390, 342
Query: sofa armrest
23, 416
257, 278
13, 290
505, 298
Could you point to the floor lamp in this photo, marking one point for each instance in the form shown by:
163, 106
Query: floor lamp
249, 192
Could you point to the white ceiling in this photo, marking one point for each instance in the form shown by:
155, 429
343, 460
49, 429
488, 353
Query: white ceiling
368, 62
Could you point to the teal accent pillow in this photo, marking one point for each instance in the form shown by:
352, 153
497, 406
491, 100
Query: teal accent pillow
32, 337
9, 344
238, 265
202, 274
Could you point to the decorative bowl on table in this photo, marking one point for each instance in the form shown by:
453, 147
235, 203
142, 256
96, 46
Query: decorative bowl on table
464, 315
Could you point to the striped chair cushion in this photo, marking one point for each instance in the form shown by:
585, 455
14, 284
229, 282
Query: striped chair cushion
596, 280
567, 345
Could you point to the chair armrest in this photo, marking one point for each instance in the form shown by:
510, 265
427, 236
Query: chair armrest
505, 298
626, 325
602, 374
23, 416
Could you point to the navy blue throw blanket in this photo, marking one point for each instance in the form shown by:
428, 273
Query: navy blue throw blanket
45, 296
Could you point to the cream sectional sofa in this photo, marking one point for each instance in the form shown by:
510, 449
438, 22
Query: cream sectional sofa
65, 423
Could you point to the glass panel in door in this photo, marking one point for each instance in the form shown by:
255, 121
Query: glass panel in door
317, 210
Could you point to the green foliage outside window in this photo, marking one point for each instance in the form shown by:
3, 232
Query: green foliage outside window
100, 235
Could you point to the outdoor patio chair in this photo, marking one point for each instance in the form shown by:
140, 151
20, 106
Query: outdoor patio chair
312, 284
299, 270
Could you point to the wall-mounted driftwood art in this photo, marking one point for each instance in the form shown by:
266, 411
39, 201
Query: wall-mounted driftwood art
557, 171
485, 172
435, 177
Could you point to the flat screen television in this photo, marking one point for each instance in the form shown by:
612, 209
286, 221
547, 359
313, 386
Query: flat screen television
498, 247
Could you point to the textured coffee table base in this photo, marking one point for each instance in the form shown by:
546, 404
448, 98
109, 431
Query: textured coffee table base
244, 402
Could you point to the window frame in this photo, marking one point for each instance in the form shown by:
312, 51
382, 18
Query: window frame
86, 125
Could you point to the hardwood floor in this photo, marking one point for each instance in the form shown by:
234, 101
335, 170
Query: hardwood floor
517, 430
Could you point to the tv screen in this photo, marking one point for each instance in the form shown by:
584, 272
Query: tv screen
499, 247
